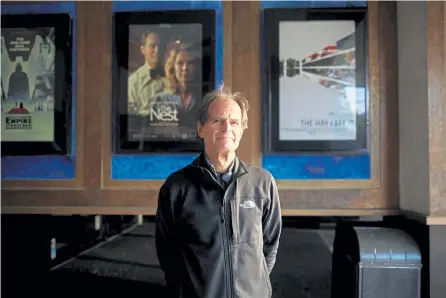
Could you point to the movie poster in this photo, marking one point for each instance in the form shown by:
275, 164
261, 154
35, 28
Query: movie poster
27, 84
165, 81
319, 97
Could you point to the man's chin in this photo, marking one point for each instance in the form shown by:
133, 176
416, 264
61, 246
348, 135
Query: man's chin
227, 148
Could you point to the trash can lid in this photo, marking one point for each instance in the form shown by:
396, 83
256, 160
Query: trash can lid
387, 246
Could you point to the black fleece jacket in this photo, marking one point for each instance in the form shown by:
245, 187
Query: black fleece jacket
216, 241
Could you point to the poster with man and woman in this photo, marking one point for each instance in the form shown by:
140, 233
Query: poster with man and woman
164, 85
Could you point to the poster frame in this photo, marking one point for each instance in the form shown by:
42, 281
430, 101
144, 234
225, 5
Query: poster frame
271, 74
122, 20
61, 144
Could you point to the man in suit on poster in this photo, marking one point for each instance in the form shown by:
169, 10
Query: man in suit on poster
146, 82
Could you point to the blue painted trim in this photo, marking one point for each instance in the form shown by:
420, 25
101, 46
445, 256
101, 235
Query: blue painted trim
51, 166
38, 167
165, 5
312, 167
311, 4
315, 167
40, 8
147, 167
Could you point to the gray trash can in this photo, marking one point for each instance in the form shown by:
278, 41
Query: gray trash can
371, 262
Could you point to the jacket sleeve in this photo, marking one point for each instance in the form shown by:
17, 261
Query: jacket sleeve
272, 226
165, 238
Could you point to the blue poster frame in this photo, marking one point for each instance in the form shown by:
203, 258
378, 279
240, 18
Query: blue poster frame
45, 167
315, 166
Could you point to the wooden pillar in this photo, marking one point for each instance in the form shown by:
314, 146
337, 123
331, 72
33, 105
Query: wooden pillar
245, 71
422, 126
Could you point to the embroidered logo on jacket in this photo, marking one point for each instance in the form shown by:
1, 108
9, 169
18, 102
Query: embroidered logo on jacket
248, 204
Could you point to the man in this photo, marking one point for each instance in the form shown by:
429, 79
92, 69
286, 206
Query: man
218, 220
145, 83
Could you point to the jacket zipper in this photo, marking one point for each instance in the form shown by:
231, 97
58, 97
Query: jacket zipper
225, 238
224, 235
228, 271
227, 248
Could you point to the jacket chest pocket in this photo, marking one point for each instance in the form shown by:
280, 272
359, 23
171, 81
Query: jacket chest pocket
246, 219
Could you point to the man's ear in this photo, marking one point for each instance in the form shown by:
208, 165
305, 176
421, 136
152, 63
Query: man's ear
200, 129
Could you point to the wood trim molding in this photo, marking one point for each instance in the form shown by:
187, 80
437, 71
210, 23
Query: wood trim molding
87, 210
110, 184
436, 220
340, 212
74, 184
227, 42
151, 211
436, 79
326, 184
245, 63
107, 110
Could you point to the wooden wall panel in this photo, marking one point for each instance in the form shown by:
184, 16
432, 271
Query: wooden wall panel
228, 44
437, 107
97, 85
388, 162
423, 111
98, 194
246, 72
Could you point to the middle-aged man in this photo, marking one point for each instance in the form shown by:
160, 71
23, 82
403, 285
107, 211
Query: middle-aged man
218, 220
146, 82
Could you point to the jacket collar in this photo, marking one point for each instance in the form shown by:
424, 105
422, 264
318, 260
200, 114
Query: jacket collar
239, 167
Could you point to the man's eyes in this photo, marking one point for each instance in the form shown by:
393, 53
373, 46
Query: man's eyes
221, 121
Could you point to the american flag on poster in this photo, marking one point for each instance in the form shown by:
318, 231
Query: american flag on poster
333, 66
328, 50
341, 46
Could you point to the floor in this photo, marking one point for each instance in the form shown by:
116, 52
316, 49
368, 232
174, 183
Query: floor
126, 264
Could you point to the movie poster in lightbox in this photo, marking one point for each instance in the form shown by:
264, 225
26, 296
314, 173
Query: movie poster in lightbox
318, 93
27, 84
164, 83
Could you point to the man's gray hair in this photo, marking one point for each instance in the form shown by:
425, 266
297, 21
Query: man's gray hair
223, 93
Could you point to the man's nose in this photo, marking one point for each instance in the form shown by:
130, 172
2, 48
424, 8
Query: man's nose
226, 125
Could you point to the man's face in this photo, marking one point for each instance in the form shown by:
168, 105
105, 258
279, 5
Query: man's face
223, 129
184, 67
150, 49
